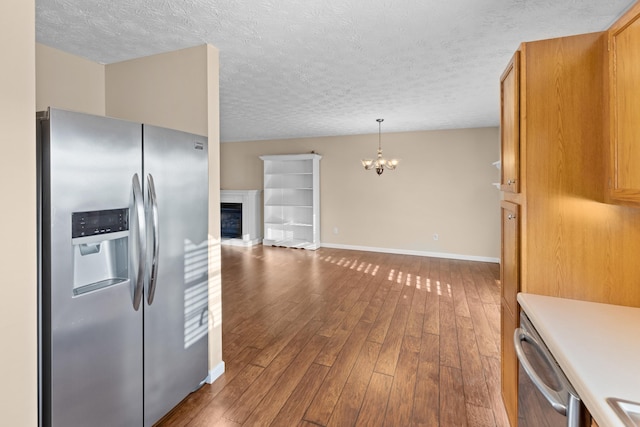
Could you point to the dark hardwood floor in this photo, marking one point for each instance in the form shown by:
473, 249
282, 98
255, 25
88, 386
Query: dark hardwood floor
346, 338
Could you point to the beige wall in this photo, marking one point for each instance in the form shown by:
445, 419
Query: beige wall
168, 90
442, 186
69, 82
18, 300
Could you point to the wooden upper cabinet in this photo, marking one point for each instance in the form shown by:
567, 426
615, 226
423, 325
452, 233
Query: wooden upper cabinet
510, 126
624, 92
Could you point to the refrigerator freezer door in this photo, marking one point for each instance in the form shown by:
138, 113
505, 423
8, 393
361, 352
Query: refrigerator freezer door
91, 336
176, 320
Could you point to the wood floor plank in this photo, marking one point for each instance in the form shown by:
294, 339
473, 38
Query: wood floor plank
307, 302
232, 369
375, 303
393, 341
475, 386
415, 320
241, 410
458, 289
214, 409
269, 352
335, 344
374, 406
278, 394
445, 278
193, 404
293, 410
399, 407
485, 336
492, 314
452, 404
449, 352
479, 416
343, 308
254, 329
431, 323
426, 401
373, 281
223, 422
488, 290
491, 367
348, 406
190, 407
381, 325
322, 406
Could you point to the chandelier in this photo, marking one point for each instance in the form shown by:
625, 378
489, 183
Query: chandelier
380, 163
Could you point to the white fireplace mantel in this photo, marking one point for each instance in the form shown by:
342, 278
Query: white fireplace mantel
251, 215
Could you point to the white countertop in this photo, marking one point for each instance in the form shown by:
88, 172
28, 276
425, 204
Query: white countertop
596, 345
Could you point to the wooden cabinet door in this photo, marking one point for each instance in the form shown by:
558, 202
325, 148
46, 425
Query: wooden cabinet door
510, 255
624, 85
510, 285
510, 126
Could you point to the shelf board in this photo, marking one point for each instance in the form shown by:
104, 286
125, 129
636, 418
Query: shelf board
288, 188
282, 224
280, 205
287, 173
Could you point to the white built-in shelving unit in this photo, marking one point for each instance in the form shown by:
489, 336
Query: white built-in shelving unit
292, 200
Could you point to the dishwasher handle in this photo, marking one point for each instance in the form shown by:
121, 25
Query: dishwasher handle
559, 399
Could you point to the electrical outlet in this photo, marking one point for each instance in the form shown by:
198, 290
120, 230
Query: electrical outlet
335, 230
435, 236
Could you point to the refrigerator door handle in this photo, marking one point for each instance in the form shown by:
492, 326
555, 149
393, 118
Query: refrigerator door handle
138, 204
153, 276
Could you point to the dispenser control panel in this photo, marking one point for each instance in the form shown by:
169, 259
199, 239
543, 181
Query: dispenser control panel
92, 223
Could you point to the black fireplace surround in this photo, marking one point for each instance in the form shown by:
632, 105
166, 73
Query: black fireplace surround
231, 220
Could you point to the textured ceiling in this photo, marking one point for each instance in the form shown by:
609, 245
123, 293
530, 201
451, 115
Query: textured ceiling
301, 68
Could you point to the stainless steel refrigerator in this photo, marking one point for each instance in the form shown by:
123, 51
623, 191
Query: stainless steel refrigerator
123, 269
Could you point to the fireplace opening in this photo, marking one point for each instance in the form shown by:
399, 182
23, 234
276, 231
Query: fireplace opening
231, 220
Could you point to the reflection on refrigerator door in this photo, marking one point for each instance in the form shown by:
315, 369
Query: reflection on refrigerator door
196, 293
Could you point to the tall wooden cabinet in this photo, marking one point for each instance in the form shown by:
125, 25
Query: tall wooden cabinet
292, 200
552, 157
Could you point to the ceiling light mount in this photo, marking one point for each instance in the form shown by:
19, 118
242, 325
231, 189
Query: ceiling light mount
380, 163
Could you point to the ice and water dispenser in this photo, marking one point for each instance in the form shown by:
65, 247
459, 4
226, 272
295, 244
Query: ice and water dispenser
100, 242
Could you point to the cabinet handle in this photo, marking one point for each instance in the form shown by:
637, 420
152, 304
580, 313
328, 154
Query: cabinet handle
511, 181
511, 216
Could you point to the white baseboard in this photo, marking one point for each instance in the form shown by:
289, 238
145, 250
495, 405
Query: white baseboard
410, 252
240, 242
215, 373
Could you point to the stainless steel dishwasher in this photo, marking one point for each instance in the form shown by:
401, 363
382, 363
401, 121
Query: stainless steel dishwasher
545, 395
